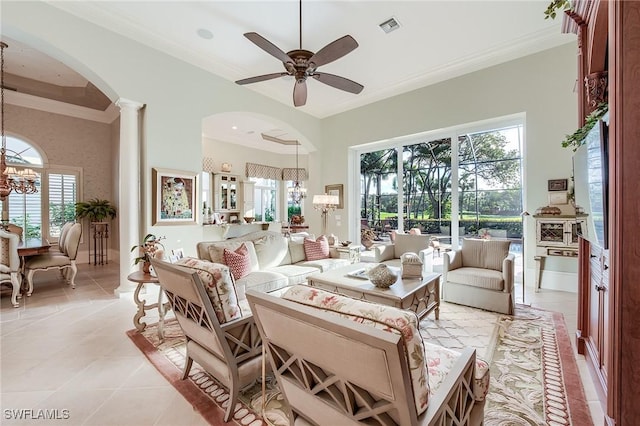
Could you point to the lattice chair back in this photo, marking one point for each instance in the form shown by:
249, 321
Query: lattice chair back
230, 351
333, 370
10, 263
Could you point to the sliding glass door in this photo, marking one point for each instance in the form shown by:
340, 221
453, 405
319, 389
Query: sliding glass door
467, 184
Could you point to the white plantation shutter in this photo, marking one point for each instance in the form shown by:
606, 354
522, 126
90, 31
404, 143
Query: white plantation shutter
63, 195
25, 211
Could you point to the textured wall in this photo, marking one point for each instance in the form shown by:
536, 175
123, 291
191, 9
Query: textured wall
69, 141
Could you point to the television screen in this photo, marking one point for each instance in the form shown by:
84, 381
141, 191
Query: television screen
590, 164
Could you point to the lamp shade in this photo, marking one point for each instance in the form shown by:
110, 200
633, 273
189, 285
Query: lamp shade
325, 200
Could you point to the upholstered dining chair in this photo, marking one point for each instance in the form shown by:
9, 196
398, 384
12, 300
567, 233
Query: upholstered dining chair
15, 229
10, 263
63, 235
63, 261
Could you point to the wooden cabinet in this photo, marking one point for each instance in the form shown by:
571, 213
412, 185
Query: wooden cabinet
225, 192
596, 289
609, 62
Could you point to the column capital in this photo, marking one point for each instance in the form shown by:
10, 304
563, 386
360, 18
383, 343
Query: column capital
123, 103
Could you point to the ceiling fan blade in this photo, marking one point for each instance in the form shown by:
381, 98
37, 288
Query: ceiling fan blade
338, 82
261, 78
300, 93
267, 46
334, 50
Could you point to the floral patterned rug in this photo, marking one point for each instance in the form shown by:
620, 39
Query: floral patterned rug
534, 377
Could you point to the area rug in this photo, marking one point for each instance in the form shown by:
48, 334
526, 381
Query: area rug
534, 376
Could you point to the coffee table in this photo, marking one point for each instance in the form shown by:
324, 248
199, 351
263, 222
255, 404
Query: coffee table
421, 295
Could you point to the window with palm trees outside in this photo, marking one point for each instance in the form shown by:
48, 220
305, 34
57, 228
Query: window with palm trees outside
470, 181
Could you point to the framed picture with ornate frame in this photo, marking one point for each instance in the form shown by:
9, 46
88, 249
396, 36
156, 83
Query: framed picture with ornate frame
557, 184
174, 197
337, 189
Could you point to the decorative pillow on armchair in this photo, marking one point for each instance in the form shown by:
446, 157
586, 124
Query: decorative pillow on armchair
238, 261
220, 287
318, 249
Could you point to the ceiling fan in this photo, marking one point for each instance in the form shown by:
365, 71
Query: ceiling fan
302, 64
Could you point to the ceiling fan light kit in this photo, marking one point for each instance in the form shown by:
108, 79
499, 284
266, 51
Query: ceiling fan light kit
301, 64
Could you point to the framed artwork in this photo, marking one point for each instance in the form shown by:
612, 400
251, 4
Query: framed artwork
558, 197
174, 197
558, 184
337, 189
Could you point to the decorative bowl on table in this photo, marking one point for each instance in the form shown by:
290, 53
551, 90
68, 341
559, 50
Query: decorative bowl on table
345, 243
249, 219
382, 276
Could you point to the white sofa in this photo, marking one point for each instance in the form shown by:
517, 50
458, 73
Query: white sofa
279, 261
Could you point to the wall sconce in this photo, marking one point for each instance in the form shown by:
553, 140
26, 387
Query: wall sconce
325, 203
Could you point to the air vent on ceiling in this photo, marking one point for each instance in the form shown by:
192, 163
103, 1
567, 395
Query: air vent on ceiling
389, 25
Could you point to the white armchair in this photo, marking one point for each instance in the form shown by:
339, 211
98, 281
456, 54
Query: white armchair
481, 275
389, 254
64, 261
10, 263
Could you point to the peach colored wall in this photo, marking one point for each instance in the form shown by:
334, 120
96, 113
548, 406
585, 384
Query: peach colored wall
69, 141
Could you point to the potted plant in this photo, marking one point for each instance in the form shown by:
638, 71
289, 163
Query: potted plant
151, 247
96, 210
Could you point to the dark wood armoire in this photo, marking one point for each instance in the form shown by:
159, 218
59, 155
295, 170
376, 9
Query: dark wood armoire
608, 331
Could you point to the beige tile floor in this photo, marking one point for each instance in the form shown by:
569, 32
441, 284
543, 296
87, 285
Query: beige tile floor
66, 349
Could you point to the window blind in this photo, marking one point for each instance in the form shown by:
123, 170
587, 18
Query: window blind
63, 192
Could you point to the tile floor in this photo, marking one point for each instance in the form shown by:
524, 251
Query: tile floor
66, 351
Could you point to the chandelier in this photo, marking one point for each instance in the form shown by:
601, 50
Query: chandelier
22, 181
297, 192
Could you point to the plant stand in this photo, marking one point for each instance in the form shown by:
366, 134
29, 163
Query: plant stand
99, 235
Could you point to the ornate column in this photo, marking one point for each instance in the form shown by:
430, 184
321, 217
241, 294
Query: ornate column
129, 188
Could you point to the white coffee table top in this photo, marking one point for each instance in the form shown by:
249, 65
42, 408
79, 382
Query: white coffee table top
340, 277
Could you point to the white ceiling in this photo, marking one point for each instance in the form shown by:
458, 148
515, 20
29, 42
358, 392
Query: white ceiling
437, 40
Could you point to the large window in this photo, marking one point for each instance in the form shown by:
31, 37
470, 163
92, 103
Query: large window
43, 213
468, 180
265, 199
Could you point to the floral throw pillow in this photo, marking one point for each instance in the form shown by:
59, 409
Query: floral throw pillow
318, 249
387, 318
219, 285
238, 261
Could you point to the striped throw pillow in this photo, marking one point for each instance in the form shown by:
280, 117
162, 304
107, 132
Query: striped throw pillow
318, 249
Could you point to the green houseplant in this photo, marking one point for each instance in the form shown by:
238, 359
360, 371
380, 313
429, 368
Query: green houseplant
151, 247
96, 210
